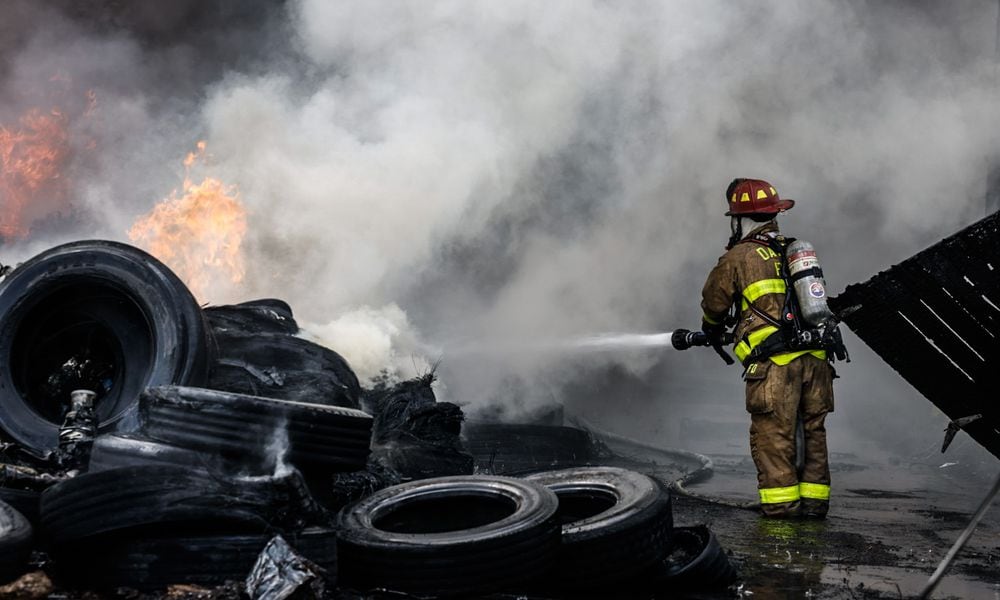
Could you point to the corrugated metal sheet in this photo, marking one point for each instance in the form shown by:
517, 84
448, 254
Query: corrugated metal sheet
935, 318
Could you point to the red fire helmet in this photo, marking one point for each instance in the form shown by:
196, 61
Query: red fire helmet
754, 197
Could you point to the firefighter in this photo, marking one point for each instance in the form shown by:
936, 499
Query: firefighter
749, 288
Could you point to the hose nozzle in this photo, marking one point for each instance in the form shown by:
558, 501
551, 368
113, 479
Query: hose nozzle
682, 339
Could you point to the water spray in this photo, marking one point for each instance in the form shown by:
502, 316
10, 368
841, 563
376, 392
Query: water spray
680, 339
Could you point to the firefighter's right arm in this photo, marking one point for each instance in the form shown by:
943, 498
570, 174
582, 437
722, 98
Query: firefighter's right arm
717, 295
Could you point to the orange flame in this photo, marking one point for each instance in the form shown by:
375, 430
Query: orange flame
199, 233
32, 157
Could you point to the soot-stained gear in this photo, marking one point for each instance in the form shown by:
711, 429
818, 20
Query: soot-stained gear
788, 377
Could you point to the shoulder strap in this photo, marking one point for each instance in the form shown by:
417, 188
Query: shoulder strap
778, 244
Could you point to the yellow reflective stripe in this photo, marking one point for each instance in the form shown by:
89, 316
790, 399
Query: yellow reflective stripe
761, 288
779, 495
754, 338
709, 320
761, 195
814, 491
787, 357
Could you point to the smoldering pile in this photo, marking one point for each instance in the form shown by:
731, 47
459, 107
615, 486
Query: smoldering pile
155, 443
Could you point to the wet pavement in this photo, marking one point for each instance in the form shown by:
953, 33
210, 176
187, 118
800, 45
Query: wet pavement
891, 522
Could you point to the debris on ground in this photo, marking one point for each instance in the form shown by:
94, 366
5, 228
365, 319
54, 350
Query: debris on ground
281, 572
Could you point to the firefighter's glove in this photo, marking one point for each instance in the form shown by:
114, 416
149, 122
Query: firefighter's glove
714, 332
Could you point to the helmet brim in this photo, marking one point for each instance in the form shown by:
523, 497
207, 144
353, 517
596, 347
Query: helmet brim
781, 206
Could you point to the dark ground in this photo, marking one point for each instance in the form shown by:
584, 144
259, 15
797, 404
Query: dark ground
890, 524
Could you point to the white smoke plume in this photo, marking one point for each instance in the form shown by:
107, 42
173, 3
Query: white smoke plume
503, 171
379, 343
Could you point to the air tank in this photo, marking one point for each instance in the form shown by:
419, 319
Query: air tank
807, 278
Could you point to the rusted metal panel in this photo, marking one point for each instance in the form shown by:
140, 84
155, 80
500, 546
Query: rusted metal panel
935, 318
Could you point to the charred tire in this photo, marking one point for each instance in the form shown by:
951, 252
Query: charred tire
320, 437
23, 501
449, 536
616, 523
696, 560
279, 365
267, 315
154, 563
121, 304
504, 448
149, 497
111, 451
15, 543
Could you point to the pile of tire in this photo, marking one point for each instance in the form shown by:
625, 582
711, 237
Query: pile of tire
147, 527
110, 318
562, 533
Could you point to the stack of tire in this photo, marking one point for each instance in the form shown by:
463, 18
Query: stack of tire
576, 531
148, 527
110, 318
165, 505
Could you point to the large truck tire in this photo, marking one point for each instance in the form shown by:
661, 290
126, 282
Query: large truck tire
150, 564
313, 437
449, 536
15, 543
616, 523
94, 315
173, 499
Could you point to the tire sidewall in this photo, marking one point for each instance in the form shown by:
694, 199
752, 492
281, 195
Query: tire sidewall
178, 331
534, 505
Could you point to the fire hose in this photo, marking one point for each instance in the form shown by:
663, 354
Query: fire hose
704, 471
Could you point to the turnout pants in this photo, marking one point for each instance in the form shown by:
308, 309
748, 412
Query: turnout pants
777, 396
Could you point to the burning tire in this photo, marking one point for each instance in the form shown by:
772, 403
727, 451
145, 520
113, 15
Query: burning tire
94, 315
449, 536
696, 560
319, 437
149, 497
15, 543
504, 448
153, 563
112, 451
616, 523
